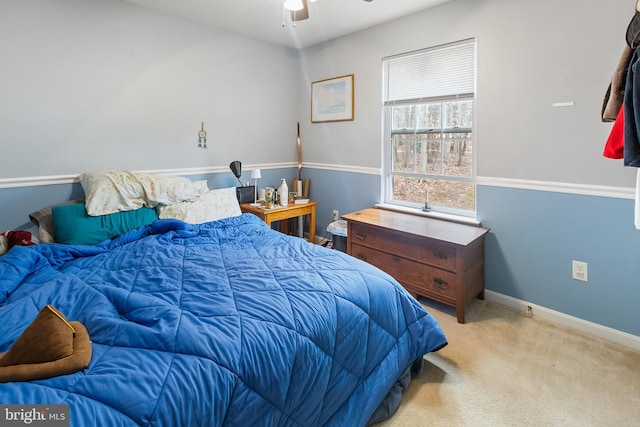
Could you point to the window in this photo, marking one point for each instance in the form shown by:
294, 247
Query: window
428, 111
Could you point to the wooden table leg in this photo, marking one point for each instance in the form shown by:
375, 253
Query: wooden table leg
284, 226
312, 226
460, 312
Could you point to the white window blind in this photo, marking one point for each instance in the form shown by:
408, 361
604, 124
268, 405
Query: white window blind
441, 71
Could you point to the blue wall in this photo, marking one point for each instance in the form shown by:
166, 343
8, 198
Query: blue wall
344, 191
533, 239
18, 202
536, 234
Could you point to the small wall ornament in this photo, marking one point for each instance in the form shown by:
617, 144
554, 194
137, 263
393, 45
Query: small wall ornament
202, 137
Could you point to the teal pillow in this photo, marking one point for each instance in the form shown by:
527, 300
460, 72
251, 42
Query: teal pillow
73, 226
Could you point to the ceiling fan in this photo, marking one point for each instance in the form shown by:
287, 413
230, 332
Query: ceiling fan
298, 10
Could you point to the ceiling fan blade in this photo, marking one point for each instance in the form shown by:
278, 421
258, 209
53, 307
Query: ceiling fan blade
300, 15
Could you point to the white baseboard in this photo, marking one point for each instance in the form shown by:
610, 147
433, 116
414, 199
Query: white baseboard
610, 334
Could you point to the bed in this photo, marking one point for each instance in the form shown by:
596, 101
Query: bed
225, 322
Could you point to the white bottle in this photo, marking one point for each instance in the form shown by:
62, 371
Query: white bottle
283, 193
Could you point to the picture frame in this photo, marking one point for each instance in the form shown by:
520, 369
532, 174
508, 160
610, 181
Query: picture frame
332, 99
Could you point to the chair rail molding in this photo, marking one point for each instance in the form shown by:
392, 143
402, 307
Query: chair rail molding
559, 187
37, 181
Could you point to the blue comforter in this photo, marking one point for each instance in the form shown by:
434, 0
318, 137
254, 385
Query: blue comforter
224, 323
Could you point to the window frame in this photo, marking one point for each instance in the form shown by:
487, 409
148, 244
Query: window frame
389, 132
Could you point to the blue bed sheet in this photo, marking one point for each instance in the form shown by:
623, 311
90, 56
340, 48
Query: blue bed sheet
224, 323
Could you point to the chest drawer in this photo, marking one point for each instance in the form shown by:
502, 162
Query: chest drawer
415, 277
407, 246
431, 258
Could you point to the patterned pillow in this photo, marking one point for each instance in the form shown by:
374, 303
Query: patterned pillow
111, 191
211, 206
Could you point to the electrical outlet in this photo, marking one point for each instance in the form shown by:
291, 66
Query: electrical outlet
580, 270
335, 215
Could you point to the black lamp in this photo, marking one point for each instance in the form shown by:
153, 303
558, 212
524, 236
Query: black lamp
236, 168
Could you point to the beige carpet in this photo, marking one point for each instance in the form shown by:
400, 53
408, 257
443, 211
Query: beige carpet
503, 368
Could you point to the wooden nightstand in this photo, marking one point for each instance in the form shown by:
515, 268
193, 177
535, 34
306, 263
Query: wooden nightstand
282, 213
433, 258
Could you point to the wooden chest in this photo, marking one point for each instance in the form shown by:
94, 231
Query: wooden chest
437, 259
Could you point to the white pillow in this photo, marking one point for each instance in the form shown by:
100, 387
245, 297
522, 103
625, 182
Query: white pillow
211, 206
111, 191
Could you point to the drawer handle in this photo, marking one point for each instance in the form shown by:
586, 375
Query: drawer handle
361, 236
396, 258
441, 255
440, 283
363, 257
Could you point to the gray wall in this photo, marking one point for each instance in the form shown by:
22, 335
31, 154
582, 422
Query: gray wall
90, 84
531, 54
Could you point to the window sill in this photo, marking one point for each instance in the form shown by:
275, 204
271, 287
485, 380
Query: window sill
430, 214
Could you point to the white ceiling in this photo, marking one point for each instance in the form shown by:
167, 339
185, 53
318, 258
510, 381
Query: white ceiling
262, 19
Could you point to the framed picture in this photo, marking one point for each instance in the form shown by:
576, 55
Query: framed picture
332, 99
